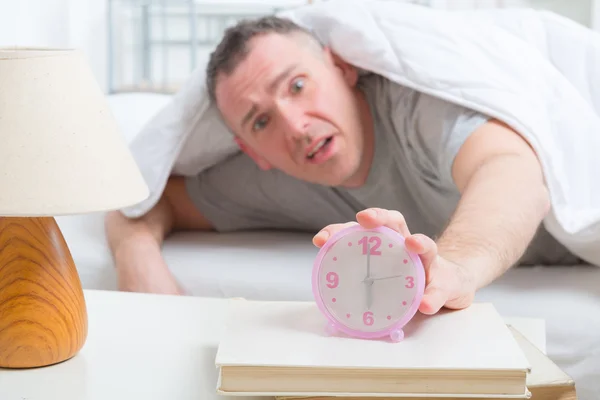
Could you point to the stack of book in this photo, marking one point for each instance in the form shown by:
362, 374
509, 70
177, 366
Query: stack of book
282, 350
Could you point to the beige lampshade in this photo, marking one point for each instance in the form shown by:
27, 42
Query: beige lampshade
60, 148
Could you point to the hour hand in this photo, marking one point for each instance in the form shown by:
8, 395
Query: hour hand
369, 294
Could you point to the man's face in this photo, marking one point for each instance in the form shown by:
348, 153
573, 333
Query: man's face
295, 107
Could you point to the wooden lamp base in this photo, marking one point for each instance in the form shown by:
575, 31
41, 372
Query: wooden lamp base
43, 317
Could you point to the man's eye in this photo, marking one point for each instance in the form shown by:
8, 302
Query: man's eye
260, 123
297, 85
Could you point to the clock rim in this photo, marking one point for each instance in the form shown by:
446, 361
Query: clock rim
408, 316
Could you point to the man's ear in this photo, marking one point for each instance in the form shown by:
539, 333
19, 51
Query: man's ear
349, 71
261, 162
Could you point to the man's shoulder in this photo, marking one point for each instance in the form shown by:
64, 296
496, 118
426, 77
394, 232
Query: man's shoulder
374, 81
401, 101
385, 93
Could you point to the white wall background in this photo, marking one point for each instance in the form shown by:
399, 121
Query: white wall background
83, 23
34, 22
57, 23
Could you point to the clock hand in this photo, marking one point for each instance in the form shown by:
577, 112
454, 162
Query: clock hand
368, 261
378, 279
368, 277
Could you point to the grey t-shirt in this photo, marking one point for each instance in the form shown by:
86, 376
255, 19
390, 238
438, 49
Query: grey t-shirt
417, 137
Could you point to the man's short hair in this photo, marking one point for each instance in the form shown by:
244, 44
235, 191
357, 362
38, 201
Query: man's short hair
233, 48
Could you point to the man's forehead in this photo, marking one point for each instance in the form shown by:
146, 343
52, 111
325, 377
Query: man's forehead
268, 58
273, 46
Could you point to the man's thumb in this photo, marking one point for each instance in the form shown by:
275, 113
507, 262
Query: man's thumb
433, 300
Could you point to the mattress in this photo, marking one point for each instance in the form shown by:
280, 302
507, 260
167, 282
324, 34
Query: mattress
277, 266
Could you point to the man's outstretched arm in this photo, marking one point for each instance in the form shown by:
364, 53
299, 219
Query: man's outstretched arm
504, 200
136, 244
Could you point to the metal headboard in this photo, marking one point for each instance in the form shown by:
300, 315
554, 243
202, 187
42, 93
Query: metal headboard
153, 45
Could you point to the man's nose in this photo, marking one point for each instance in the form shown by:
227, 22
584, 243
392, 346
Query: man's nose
294, 120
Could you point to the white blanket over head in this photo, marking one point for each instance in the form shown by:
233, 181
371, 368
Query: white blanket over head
534, 70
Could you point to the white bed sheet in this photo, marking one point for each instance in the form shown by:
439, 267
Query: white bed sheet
277, 266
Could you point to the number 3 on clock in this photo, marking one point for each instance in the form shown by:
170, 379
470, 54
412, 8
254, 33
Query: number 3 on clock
411, 282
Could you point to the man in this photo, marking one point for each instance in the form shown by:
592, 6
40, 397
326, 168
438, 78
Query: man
324, 146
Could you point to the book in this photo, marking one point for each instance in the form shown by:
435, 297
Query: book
545, 381
282, 349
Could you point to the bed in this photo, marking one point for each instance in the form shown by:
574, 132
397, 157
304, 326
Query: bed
247, 264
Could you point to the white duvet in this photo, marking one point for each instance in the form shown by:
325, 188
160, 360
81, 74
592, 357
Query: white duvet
536, 71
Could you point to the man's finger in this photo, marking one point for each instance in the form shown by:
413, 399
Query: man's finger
424, 246
375, 217
433, 300
324, 234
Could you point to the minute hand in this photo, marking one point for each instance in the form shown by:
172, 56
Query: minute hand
385, 277
368, 281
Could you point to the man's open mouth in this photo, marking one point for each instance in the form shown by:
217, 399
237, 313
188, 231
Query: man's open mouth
320, 146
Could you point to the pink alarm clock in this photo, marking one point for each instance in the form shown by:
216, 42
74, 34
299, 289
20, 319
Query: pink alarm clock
367, 284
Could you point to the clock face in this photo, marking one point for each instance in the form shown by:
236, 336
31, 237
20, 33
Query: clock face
368, 282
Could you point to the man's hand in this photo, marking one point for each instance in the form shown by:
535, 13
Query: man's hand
447, 284
141, 268
135, 244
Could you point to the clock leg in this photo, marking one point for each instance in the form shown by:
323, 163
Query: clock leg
397, 335
330, 329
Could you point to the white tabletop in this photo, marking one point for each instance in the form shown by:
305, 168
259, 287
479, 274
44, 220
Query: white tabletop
139, 347
147, 347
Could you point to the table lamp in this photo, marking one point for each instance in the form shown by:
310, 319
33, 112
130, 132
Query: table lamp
60, 154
